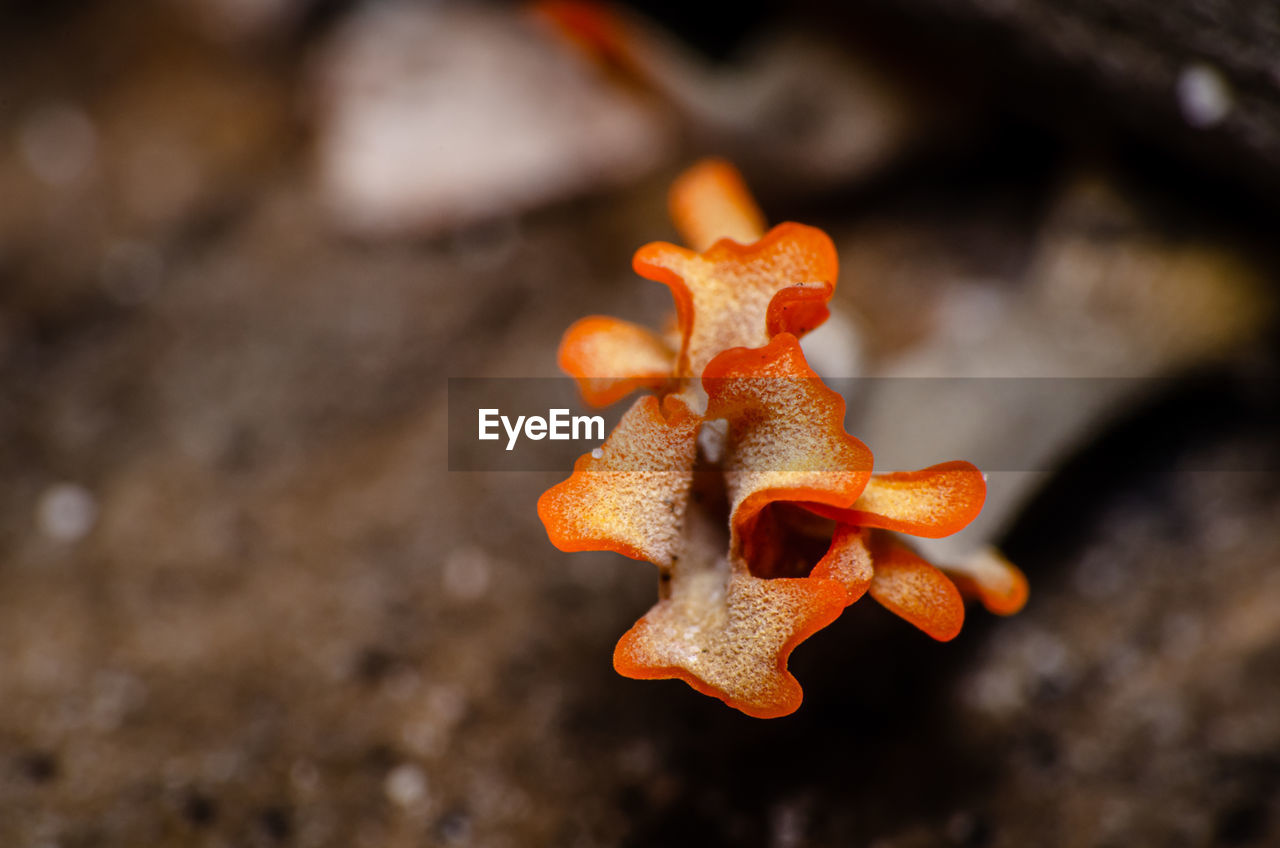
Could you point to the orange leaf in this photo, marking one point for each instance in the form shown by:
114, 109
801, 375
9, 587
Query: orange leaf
632, 498
710, 201
723, 296
786, 433
610, 358
932, 502
908, 586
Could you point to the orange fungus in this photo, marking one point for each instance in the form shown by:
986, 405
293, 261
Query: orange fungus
784, 524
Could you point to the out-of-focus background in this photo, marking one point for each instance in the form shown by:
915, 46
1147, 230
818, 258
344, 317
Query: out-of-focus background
243, 243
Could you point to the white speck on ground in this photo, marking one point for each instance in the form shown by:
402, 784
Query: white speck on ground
66, 512
406, 786
1204, 95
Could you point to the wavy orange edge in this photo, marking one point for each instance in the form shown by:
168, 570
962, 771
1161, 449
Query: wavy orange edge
669, 412
745, 363
942, 620
600, 390
963, 509
833, 607
646, 263
712, 197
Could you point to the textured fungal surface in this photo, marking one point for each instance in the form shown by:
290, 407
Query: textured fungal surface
612, 358
723, 294
932, 502
728, 634
632, 498
770, 522
786, 434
